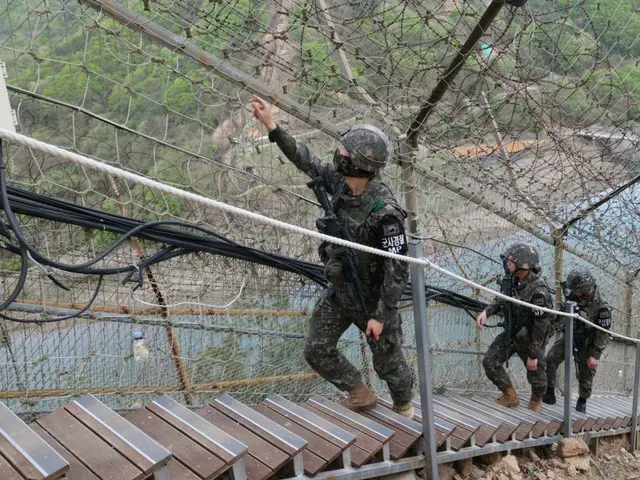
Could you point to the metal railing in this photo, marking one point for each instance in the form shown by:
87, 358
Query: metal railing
431, 457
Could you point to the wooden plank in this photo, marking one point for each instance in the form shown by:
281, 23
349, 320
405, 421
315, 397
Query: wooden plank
315, 443
192, 455
177, 471
260, 425
446, 402
458, 436
440, 423
539, 425
217, 441
553, 424
599, 424
351, 418
256, 470
7, 472
551, 413
137, 441
12, 455
91, 450
581, 419
618, 418
111, 438
328, 430
401, 442
622, 403
77, 470
313, 463
625, 407
272, 457
452, 416
363, 449
503, 431
363, 440
577, 420
464, 427
522, 428
26, 451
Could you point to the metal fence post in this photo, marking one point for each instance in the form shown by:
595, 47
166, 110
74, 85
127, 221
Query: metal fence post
569, 307
634, 411
424, 361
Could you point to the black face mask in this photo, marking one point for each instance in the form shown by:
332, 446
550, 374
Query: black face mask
345, 166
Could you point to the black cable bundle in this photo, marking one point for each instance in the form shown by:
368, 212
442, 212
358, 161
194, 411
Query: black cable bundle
177, 242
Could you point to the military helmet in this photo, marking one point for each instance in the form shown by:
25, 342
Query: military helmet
368, 147
523, 255
581, 280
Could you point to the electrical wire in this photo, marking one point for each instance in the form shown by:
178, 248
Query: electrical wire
177, 242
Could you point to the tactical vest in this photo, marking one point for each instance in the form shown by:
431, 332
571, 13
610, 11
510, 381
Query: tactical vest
362, 215
589, 309
523, 316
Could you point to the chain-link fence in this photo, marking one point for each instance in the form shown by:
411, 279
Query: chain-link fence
535, 140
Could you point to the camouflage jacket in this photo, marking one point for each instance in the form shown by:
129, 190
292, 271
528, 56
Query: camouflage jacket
591, 342
373, 218
529, 328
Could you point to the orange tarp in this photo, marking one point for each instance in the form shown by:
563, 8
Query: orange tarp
478, 150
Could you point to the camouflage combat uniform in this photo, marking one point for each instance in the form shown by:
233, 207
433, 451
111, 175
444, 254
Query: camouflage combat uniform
588, 342
373, 218
528, 330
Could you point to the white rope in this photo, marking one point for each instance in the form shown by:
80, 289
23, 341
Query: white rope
25, 141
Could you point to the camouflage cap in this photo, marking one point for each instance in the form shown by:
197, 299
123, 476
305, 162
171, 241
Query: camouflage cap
523, 255
581, 280
368, 147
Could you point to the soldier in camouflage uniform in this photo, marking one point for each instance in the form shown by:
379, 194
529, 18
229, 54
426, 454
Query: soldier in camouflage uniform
374, 218
589, 343
526, 329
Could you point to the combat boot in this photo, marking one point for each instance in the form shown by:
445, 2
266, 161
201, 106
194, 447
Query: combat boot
581, 405
361, 397
406, 410
535, 403
550, 397
509, 397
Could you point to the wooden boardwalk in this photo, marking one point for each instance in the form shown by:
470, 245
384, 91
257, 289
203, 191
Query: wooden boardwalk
277, 438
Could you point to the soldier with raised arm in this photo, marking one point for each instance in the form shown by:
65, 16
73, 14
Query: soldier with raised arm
373, 217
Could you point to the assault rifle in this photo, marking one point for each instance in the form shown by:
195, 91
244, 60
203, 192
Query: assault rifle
331, 224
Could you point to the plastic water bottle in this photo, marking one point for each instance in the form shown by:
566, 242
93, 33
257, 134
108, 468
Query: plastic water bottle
139, 347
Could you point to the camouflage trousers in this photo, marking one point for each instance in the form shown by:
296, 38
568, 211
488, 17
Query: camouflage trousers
585, 374
502, 350
328, 322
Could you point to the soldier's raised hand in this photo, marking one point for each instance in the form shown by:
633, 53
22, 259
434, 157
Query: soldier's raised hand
261, 111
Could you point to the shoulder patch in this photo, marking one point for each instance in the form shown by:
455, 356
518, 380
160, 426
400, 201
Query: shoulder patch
379, 205
392, 236
540, 300
604, 317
